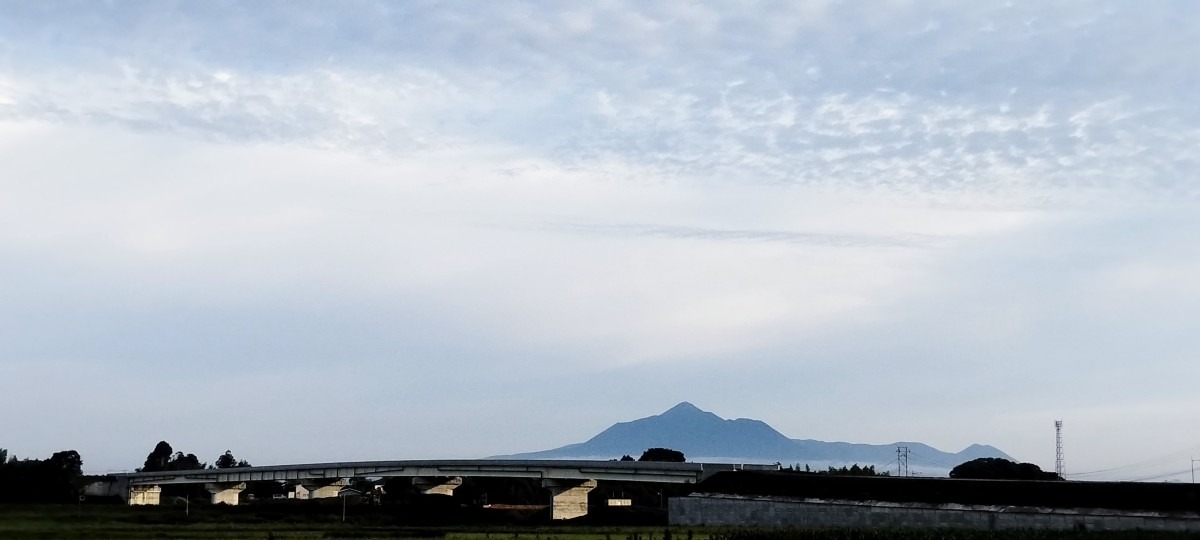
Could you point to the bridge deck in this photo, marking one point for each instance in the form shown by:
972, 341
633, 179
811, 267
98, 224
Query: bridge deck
629, 471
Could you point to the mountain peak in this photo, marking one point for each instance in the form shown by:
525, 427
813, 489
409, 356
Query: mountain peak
705, 436
684, 407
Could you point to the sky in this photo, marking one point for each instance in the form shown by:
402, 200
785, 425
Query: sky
319, 231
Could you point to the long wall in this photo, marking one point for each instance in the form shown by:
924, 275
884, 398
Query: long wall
732, 510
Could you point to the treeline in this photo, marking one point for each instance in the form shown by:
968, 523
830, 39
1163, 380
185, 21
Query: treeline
853, 470
60, 479
1001, 469
658, 454
53, 480
165, 458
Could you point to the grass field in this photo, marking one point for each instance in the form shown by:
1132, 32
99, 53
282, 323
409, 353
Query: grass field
208, 523
202, 522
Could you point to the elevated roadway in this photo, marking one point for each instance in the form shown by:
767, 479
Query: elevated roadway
568, 481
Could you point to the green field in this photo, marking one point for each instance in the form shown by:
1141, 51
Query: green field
21, 522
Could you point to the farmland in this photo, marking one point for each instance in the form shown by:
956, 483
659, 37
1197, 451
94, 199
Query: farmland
69, 522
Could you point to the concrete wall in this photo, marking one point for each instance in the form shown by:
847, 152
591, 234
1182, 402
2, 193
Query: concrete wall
144, 495
226, 493
726, 510
109, 487
570, 497
437, 485
324, 489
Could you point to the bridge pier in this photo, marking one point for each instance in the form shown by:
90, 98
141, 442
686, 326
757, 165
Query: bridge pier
321, 489
225, 492
144, 495
570, 497
437, 485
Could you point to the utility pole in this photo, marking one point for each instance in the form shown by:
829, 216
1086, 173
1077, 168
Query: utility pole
1194, 460
901, 461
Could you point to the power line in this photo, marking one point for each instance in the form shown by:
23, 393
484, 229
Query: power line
1160, 476
1173, 456
928, 459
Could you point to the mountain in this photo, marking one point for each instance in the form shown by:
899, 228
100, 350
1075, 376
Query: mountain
704, 436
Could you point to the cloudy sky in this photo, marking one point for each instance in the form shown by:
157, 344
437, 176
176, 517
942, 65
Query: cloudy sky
316, 231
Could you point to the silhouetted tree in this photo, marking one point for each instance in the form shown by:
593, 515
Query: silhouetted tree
53, 480
158, 459
627, 457
161, 459
185, 462
853, 470
662, 454
68, 463
227, 461
1001, 469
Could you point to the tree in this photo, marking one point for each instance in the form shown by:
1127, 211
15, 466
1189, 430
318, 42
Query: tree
1001, 469
158, 459
185, 462
53, 480
227, 461
162, 459
68, 463
3, 456
663, 455
627, 457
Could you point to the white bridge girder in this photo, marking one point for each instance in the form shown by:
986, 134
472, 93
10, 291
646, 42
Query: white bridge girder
568, 481
669, 473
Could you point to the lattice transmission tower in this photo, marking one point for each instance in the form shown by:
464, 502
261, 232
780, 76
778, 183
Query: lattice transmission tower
1059, 467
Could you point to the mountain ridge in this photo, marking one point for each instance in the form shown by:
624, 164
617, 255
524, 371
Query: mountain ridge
703, 435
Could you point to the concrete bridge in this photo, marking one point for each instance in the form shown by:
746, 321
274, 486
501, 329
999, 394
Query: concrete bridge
568, 481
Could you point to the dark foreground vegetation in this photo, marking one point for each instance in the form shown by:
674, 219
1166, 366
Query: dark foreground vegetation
304, 522
307, 519
935, 534
1122, 496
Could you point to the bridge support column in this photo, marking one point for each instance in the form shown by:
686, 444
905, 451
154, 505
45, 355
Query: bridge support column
570, 497
437, 485
321, 489
144, 495
225, 492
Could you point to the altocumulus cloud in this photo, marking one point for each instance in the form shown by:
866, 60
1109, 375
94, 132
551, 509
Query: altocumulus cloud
342, 216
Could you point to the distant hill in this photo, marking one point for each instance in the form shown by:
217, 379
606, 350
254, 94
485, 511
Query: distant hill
704, 436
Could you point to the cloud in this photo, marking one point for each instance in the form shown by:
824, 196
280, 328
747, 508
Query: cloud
873, 119
844, 206
787, 237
